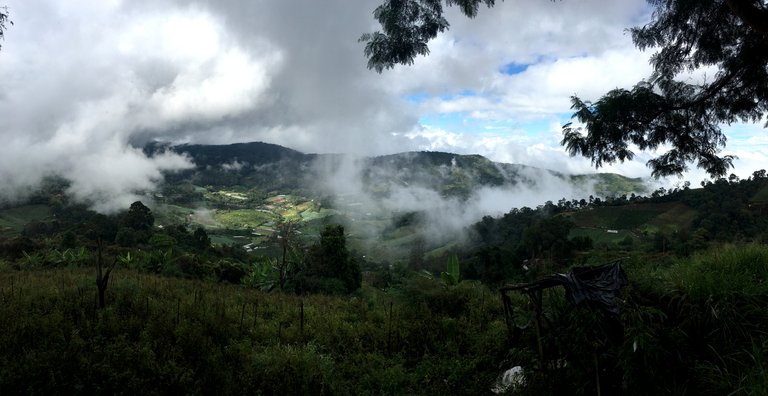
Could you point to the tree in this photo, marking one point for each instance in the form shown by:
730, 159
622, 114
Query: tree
407, 27
731, 35
201, 239
102, 276
328, 266
135, 225
286, 233
416, 254
3, 20
549, 237
139, 217
102, 227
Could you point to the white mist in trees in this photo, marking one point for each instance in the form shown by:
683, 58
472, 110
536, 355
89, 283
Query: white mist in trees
442, 217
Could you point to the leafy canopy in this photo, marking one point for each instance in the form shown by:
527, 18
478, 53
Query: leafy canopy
407, 27
3, 20
661, 112
139, 217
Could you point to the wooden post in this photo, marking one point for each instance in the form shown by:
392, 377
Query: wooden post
242, 315
389, 331
536, 299
597, 375
301, 318
506, 302
102, 278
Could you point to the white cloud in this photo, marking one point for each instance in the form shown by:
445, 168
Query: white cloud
139, 74
231, 85
543, 151
80, 80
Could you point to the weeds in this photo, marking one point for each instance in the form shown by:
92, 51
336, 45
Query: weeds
168, 335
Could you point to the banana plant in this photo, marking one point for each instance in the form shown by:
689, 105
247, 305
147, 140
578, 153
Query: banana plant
156, 260
451, 277
34, 260
126, 259
264, 275
75, 257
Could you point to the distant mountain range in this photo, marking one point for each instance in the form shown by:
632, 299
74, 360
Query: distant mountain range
271, 167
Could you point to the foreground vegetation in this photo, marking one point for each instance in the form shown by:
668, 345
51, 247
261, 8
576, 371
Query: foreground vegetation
690, 326
172, 336
305, 314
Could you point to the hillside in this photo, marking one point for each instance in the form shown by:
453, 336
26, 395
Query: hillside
239, 193
272, 167
174, 323
264, 309
396, 206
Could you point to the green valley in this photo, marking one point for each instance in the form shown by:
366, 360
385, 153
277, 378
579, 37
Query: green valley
315, 289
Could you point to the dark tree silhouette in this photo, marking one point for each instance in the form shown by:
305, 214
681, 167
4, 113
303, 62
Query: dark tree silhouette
201, 239
286, 233
102, 276
328, 265
731, 35
139, 217
3, 21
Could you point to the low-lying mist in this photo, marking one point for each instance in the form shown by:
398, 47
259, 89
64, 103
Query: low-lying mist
108, 179
442, 217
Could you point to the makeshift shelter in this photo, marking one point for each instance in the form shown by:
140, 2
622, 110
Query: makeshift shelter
597, 287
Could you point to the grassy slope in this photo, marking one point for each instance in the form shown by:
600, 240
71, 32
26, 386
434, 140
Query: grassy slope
761, 196
174, 336
680, 317
13, 220
631, 219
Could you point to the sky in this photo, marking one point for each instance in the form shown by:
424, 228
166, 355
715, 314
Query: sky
84, 82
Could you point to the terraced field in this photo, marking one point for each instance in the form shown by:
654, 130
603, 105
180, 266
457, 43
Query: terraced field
761, 196
637, 216
244, 218
13, 220
612, 225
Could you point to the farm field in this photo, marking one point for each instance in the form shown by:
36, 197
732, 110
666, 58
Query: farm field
634, 216
13, 220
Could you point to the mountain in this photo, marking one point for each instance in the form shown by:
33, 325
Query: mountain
270, 167
254, 153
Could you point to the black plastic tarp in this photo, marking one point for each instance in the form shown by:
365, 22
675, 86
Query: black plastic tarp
599, 285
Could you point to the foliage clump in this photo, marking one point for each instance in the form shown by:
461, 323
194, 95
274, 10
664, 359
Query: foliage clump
328, 267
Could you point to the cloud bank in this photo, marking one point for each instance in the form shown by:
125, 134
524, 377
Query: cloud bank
82, 81
442, 217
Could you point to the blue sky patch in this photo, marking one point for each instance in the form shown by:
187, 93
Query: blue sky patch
514, 68
463, 122
421, 97
417, 97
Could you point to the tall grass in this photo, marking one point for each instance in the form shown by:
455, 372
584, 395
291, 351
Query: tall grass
164, 335
689, 326
700, 324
